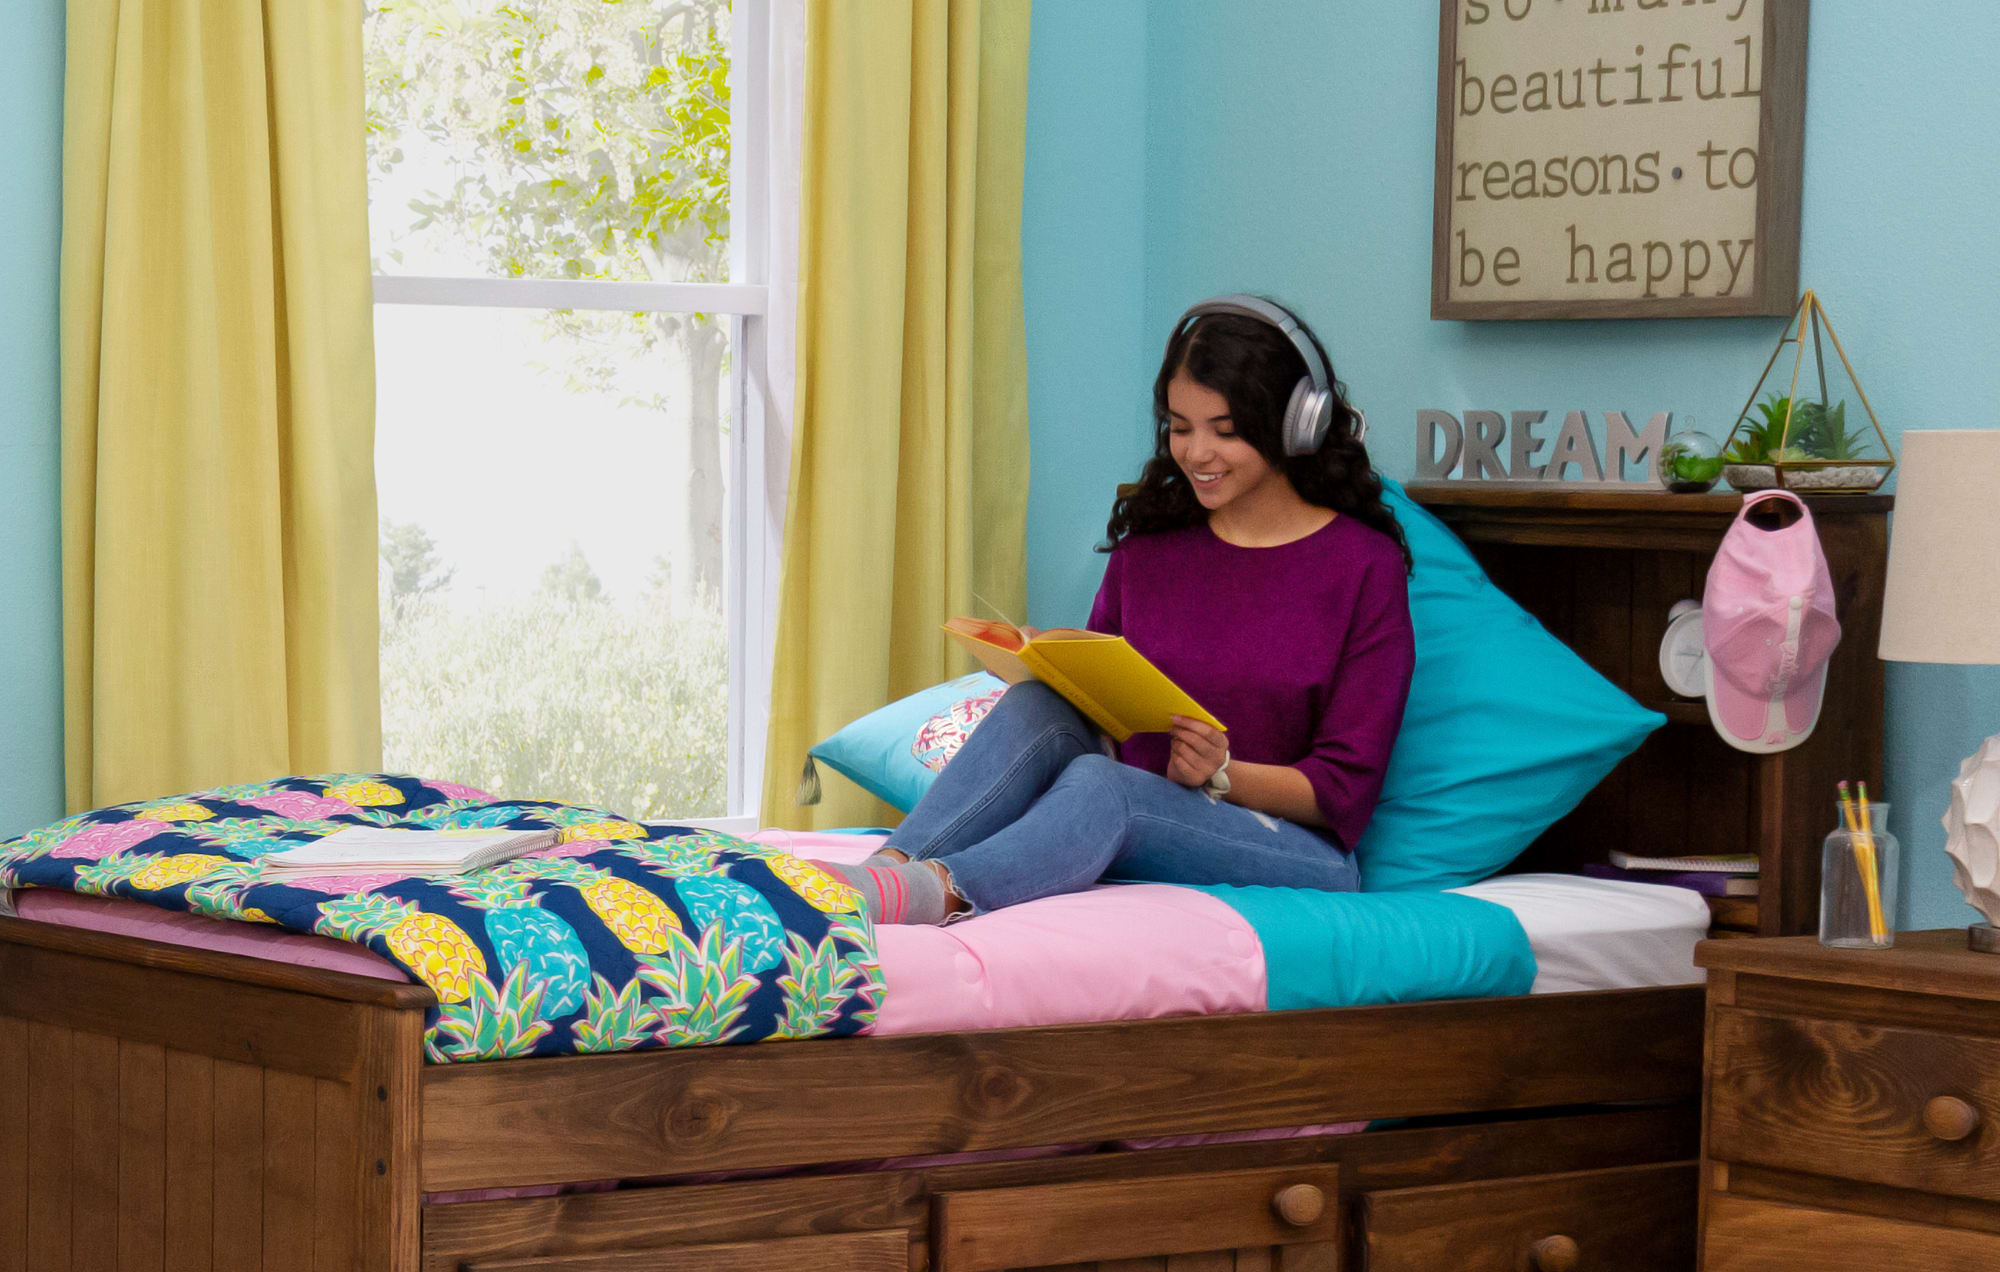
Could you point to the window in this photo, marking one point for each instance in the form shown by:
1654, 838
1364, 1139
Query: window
565, 447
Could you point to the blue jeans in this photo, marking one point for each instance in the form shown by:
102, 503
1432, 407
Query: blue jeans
1031, 806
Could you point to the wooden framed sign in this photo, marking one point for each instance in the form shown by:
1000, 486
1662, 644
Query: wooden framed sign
1618, 158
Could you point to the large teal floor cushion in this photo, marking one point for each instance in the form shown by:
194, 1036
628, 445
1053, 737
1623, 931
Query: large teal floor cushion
1506, 728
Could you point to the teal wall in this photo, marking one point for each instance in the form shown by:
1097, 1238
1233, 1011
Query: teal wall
30, 586
1288, 148
1090, 360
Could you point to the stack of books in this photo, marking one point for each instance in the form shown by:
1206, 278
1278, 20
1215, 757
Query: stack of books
1711, 874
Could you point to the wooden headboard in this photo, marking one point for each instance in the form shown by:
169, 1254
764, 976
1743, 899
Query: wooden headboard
1600, 569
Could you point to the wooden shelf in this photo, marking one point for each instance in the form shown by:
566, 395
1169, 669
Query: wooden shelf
1739, 913
1545, 496
1680, 710
1601, 569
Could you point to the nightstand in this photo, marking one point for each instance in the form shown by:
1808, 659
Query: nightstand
1851, 1106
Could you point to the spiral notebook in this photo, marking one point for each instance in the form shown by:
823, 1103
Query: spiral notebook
1712, 863
1710, 883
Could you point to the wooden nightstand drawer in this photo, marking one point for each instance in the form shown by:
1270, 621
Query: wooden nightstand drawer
1633, 1219
1893, 1106
1763, 1236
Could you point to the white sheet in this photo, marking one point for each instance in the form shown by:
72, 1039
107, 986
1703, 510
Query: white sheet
1602, 933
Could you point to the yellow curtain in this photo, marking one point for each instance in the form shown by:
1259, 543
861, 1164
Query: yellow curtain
218, 397
910, 457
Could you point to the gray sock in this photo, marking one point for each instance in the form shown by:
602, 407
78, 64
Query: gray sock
881, 857
902, 892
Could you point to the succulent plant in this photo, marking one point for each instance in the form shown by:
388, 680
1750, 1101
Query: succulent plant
1789, 432
1758, 441
1823, 433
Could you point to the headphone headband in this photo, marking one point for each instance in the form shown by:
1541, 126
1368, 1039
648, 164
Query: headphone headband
1277, 315
1310, 412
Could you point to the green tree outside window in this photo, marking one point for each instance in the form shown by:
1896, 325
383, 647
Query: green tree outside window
589, 139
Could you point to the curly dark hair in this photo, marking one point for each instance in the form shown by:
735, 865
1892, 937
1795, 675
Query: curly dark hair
1254, 367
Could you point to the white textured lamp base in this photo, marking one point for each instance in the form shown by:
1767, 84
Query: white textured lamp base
1972, 840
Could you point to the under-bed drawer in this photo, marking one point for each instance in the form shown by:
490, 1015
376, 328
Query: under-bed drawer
849, 1252
1278, 1217
1631, 1219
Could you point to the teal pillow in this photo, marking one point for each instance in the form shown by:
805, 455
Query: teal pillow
1506, 728
896, 753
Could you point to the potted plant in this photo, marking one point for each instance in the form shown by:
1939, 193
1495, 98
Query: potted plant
1749, 462
1835, 456
1798, 437
1690, 463
1802, 445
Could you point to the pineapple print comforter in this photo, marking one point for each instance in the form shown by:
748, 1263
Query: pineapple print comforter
621, 937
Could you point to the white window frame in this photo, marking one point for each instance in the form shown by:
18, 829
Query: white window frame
750, 553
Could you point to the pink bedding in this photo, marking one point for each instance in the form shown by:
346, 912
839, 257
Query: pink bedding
1158, 951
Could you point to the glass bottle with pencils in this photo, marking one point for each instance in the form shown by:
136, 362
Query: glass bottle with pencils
1858, 872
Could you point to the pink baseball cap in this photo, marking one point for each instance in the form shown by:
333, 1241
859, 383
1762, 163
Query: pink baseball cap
1767, 619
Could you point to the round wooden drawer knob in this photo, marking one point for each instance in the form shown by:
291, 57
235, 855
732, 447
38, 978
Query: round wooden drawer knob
1299, 1205
1950, 1118
1554, 1254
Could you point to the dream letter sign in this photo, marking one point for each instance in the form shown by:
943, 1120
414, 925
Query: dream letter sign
1618, 158
1489, 446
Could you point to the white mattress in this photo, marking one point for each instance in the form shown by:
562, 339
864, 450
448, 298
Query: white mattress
1602, 933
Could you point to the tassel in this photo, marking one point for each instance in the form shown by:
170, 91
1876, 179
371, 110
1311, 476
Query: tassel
809, 783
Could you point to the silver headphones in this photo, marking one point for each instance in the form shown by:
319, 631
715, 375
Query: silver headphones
1310, 412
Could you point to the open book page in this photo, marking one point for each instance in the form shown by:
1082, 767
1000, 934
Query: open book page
1102, 676
997, 646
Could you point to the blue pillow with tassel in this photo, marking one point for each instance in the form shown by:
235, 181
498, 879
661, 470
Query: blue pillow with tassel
897, 752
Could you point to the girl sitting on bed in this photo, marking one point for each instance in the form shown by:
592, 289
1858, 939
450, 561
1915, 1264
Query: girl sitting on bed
1255, 564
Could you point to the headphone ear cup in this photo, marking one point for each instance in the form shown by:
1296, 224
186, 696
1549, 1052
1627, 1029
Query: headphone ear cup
1306, 417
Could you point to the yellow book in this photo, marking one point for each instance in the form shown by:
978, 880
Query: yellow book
1102, 676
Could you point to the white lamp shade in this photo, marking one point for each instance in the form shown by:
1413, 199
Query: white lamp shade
1942, 603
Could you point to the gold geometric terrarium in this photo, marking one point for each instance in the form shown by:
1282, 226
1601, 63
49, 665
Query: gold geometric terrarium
1805, 433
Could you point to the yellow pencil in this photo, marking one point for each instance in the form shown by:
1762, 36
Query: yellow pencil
1864, 852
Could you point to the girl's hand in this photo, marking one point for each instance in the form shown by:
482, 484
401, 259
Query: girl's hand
1196, 751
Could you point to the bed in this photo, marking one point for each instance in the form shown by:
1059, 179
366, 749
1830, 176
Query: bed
181, 1108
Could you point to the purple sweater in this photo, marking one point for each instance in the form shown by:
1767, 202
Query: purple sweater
1303, 650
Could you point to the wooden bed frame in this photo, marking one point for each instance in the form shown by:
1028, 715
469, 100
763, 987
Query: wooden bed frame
174, 1109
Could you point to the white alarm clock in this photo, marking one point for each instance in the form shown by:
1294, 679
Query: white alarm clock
1683, 658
